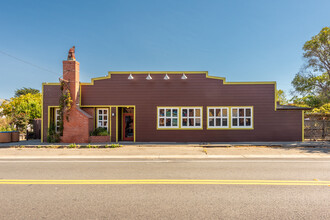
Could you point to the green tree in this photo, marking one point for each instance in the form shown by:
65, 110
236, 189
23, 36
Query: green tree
281, 97
22, 110
25, 90
317, 52
312, 83
323, 109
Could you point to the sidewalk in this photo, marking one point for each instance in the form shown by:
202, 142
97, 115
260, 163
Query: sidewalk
157, 152
36, 143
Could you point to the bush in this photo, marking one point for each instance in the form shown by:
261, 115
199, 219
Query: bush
52, 136
73, 145
113, 146
5, 125
100, 132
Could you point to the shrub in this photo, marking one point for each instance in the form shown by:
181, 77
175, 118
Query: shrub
113, 146
72, 145
100, 132
52, 136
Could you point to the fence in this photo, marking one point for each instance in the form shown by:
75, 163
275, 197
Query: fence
317, 128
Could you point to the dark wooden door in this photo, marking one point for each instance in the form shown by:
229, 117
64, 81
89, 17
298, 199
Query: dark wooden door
128, 126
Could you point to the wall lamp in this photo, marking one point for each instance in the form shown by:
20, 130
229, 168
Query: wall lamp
130, 77
149, 77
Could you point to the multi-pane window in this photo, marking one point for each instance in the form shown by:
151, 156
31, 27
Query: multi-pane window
191, 117
102, 118
57, 119
168, 117
218, 117
241, 117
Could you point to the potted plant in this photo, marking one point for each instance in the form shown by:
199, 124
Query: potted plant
99, 135
5, 133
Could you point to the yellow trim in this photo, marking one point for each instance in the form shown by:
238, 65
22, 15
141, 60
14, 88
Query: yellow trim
51, 84
175, 72
303, 126
134, 125
185, 72
115, 106
165, 181
121, 122
42, 114
229, 118
252, 114
97, 118
117, 124
179, 118
207, 118
48, 115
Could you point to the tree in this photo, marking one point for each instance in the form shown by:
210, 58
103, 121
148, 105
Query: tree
324, 109
312, 82
281, 97
22, 110
24, 91
317, 52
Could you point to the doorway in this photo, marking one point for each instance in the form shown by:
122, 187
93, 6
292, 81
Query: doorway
127, 124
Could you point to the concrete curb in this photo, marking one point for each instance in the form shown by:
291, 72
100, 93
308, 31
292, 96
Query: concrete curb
169, 157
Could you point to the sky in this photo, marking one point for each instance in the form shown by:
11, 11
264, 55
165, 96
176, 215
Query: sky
242, 40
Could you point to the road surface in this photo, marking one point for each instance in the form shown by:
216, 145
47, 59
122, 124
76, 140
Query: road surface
164, 189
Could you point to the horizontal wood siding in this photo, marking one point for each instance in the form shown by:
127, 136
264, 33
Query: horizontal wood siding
51, 96
197, 90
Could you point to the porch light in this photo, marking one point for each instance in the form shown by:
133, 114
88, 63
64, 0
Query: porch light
166, 77
184, 76
149, 77
130, 76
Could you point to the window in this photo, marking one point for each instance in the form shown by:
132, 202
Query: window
218, 117
191, 117
102, 118
168, 117
57, 120
241, 117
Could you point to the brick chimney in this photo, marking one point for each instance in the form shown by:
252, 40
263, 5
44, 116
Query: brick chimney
77, 129
71, 75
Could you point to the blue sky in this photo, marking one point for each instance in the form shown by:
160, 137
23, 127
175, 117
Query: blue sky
240, 40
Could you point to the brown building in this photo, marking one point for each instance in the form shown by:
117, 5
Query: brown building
169, 107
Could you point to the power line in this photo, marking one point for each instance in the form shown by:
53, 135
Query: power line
26, 62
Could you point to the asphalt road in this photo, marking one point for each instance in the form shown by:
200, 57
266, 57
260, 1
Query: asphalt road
170, 189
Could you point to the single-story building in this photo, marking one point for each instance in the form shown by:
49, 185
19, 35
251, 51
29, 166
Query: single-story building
164, 106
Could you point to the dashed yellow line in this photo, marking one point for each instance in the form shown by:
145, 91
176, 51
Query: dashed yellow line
168, 182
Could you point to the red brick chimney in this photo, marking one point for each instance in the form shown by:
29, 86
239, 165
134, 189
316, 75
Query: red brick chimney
71, 74
76, 130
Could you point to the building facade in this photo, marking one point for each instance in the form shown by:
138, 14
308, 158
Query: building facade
170, 107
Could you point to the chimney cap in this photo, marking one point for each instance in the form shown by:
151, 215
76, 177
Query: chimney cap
71, 54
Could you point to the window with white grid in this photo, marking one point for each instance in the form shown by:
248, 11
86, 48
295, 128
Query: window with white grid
102, 118
168, 117
57, 120
191, 117
241, 117
218, 117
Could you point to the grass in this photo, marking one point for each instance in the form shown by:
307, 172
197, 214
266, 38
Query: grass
71, 146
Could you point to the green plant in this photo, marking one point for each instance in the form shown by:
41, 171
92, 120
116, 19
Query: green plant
99, 132
52, 136
65, 103
112, 146
6, 125
90, 146
72, 145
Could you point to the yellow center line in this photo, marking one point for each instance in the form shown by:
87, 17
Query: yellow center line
167, 181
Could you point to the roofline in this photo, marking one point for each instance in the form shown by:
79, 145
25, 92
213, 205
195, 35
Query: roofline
176, 72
